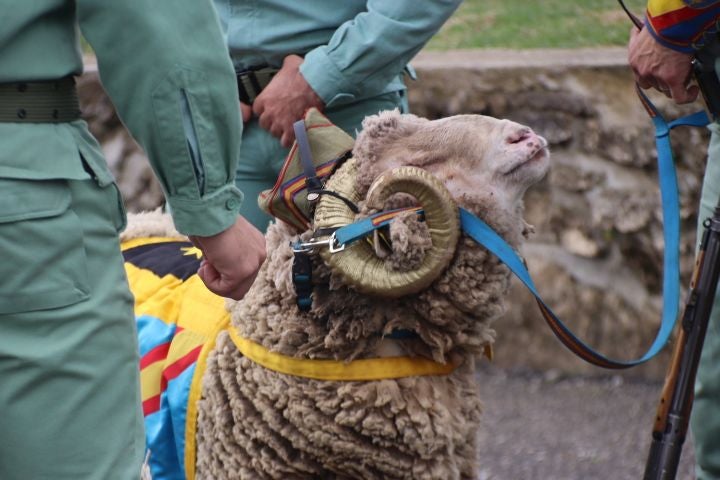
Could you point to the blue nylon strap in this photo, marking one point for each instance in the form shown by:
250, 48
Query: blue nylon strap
354, 231
486, 236
483, 234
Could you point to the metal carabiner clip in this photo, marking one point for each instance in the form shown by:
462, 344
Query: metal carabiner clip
314, 243
333, 244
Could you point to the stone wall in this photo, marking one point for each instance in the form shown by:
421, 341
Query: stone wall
596, 256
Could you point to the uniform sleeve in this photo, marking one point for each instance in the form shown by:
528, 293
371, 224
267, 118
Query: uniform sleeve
166, 68
682, 24
374, 47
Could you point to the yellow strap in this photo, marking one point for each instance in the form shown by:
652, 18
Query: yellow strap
193, 399
357, 370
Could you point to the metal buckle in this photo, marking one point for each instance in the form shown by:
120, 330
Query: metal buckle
330, 242
334, 246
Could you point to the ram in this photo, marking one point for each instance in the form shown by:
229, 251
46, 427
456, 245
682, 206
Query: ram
377, 379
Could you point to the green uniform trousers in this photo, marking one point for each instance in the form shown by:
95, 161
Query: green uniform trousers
70, 397
262, 156
705, 419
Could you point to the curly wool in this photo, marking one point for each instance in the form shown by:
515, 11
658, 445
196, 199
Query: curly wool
258, 424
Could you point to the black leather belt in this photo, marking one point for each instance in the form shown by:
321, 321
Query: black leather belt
252, 81
54, 101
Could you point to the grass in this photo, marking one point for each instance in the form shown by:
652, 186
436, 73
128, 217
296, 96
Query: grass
532, 24
537, 24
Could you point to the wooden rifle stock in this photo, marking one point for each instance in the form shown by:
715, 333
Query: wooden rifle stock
673, 413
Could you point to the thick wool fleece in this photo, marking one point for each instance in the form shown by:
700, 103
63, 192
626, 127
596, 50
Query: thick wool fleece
258, 424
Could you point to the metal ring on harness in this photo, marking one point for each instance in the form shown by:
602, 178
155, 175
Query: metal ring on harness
358, 265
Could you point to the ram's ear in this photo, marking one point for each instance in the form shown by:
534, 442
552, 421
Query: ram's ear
384, 144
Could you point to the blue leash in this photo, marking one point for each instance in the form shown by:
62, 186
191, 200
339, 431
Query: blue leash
487, 237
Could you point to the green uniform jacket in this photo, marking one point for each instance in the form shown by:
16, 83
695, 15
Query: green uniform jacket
165, 66
354, 49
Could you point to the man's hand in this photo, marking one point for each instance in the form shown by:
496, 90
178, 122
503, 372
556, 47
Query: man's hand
231, 259
246, 112
660, 67
285, 100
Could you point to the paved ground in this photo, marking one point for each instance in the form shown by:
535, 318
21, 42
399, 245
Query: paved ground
543, 427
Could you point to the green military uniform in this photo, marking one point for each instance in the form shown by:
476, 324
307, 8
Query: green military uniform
355, 54
70, 397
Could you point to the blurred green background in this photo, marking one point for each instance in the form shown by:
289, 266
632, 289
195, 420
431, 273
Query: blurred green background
537, 24
532, 24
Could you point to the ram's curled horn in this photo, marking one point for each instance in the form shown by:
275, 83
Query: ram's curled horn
357, 264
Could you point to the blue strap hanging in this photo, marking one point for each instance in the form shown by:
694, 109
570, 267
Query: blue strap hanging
487, 237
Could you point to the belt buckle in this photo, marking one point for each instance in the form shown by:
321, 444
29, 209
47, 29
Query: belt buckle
252, 81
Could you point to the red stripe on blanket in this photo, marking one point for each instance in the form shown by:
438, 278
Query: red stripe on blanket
155, 355
177, 367
151, 405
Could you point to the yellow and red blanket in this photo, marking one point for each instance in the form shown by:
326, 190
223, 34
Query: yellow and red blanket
178, 320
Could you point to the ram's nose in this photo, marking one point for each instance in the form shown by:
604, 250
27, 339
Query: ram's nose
526, 138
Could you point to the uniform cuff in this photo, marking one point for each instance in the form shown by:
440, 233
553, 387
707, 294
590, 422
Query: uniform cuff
209, 215
678, 46
323, 76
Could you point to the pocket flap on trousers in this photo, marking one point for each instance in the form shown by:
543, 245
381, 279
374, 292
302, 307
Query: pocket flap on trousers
27, 199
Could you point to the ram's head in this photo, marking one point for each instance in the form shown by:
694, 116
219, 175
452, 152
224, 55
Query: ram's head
477, 162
